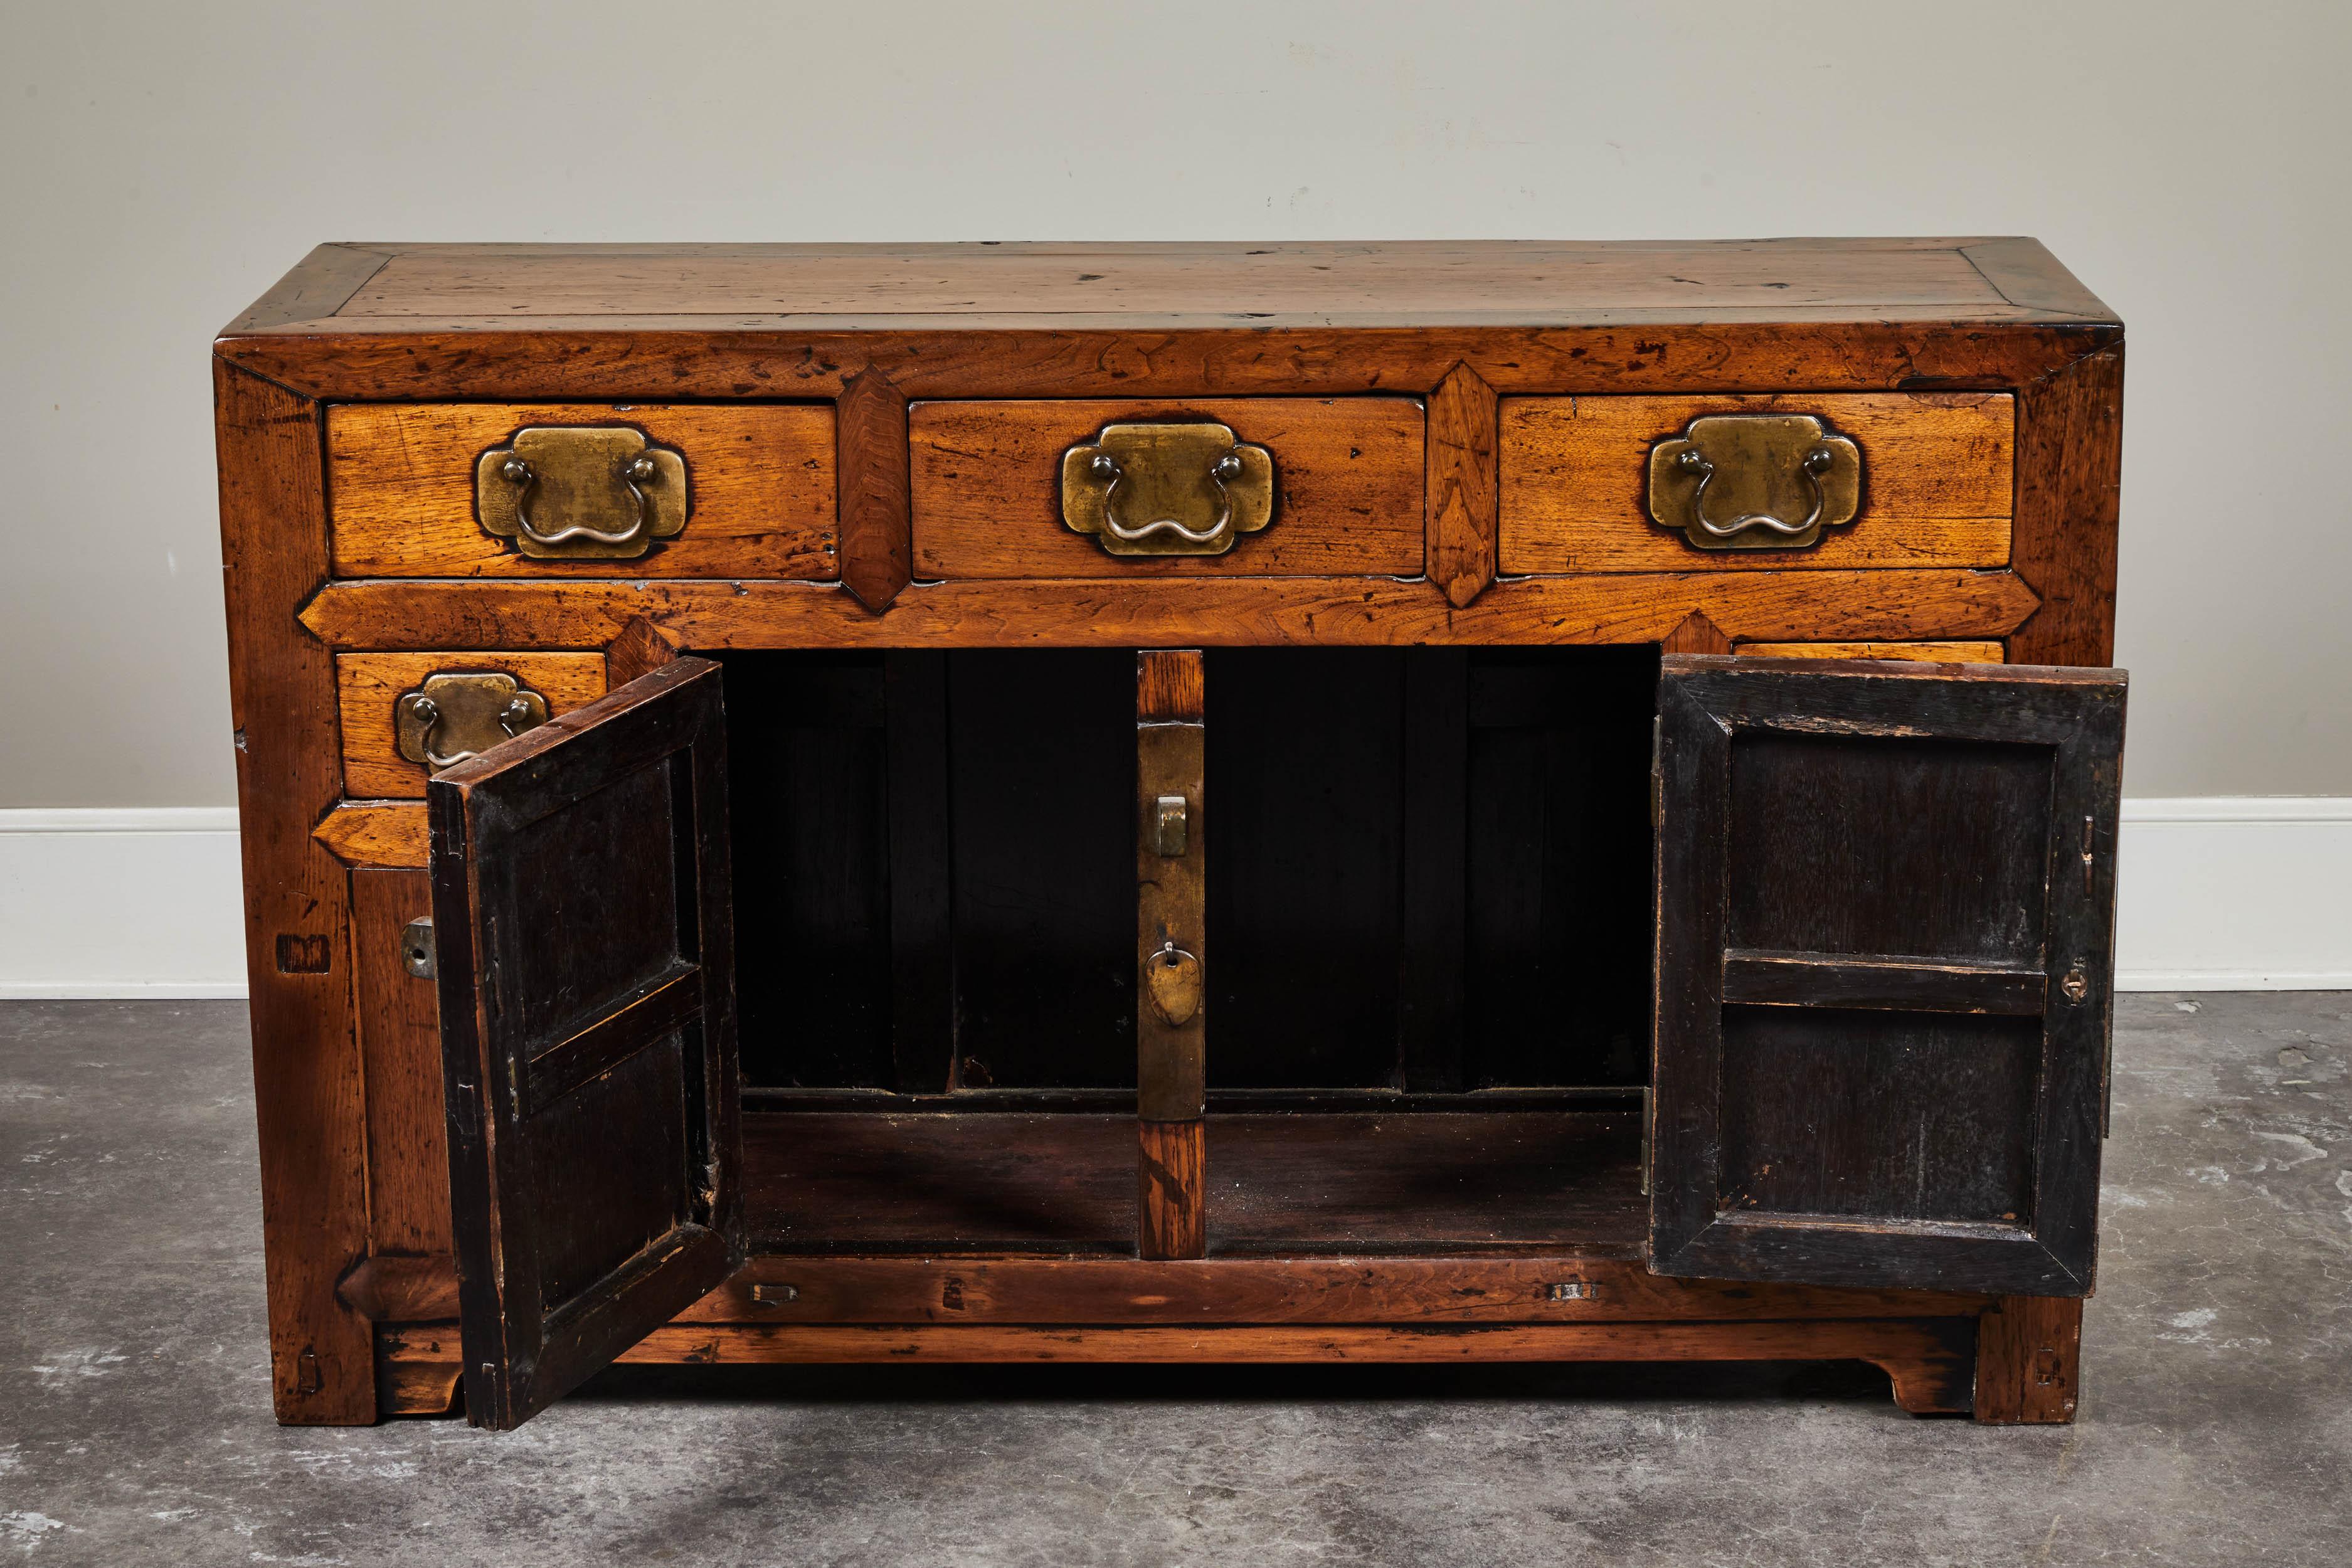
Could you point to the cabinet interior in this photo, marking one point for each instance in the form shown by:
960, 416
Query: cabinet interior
1429, 964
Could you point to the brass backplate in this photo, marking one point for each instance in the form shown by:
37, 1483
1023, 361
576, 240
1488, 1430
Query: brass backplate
453, 716
1167, 489
581, 492
1755, 482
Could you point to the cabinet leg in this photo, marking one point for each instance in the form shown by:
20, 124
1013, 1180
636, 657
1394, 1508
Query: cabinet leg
2028, 1360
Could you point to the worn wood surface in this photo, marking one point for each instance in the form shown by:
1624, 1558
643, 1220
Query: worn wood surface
639, 647
987, 479
2028, 276
418, 1372
1926, 1359
368, 686
2029, 1361
309, 1086
320, 284
1758, 606
1752, 978
1928, 652
656, 359
404, 1287
400, 1051
1696, 634
1181, 326
2069, 489
877, 529
1461, 485
1576, 1286
1368, 1290
1386, 283
1890, 855
1172, 1178
759, 487
1937, 471
1172, 957
386, 833
1287, 1185
1171, 686
589, 1066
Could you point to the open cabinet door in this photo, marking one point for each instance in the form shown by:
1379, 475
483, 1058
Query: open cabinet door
1885, 898
586, 934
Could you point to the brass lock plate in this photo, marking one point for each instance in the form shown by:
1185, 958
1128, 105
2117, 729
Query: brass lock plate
453, 717
1186, 489
1172, 979
1755, 482
581, 492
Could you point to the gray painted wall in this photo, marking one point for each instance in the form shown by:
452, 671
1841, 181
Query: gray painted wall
164, 163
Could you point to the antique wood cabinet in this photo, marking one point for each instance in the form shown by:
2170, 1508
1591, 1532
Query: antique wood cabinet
1420, 802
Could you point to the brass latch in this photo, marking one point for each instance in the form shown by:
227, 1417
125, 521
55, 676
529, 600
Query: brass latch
1755, 482
1171, 824
1167, 489
599, 492
451, 718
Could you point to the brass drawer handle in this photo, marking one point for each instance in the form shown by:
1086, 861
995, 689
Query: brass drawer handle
581, 492
1167, 489
452, 717
1755, 482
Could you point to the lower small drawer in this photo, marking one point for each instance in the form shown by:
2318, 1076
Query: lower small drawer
368, 688
1923, 652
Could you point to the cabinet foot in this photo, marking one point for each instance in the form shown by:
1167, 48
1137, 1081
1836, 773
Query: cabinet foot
2028, 1360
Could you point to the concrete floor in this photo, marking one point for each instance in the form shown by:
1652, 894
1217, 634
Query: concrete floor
2216, 1424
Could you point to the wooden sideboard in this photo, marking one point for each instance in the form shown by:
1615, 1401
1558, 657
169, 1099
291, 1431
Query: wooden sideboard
1399, 802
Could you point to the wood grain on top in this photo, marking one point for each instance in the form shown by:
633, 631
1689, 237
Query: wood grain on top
395, 287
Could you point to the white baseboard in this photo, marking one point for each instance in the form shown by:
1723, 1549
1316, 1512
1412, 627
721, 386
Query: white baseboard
2225, 893
121, 903
2235, 893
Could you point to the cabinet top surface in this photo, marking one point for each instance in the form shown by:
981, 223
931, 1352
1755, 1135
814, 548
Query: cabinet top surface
368, 287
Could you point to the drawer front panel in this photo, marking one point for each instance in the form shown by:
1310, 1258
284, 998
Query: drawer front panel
369, 687
759, 481
987, 485
1923, 652
1938, 473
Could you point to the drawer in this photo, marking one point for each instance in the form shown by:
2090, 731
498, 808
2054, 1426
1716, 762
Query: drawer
369, 688
758, 482
1347, 478
1936, 483
1920, 652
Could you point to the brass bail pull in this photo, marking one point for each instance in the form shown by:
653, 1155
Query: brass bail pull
1815, 464
1222, 472
1186, 487
1755, 482
582, 491
455, 717
634, 473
